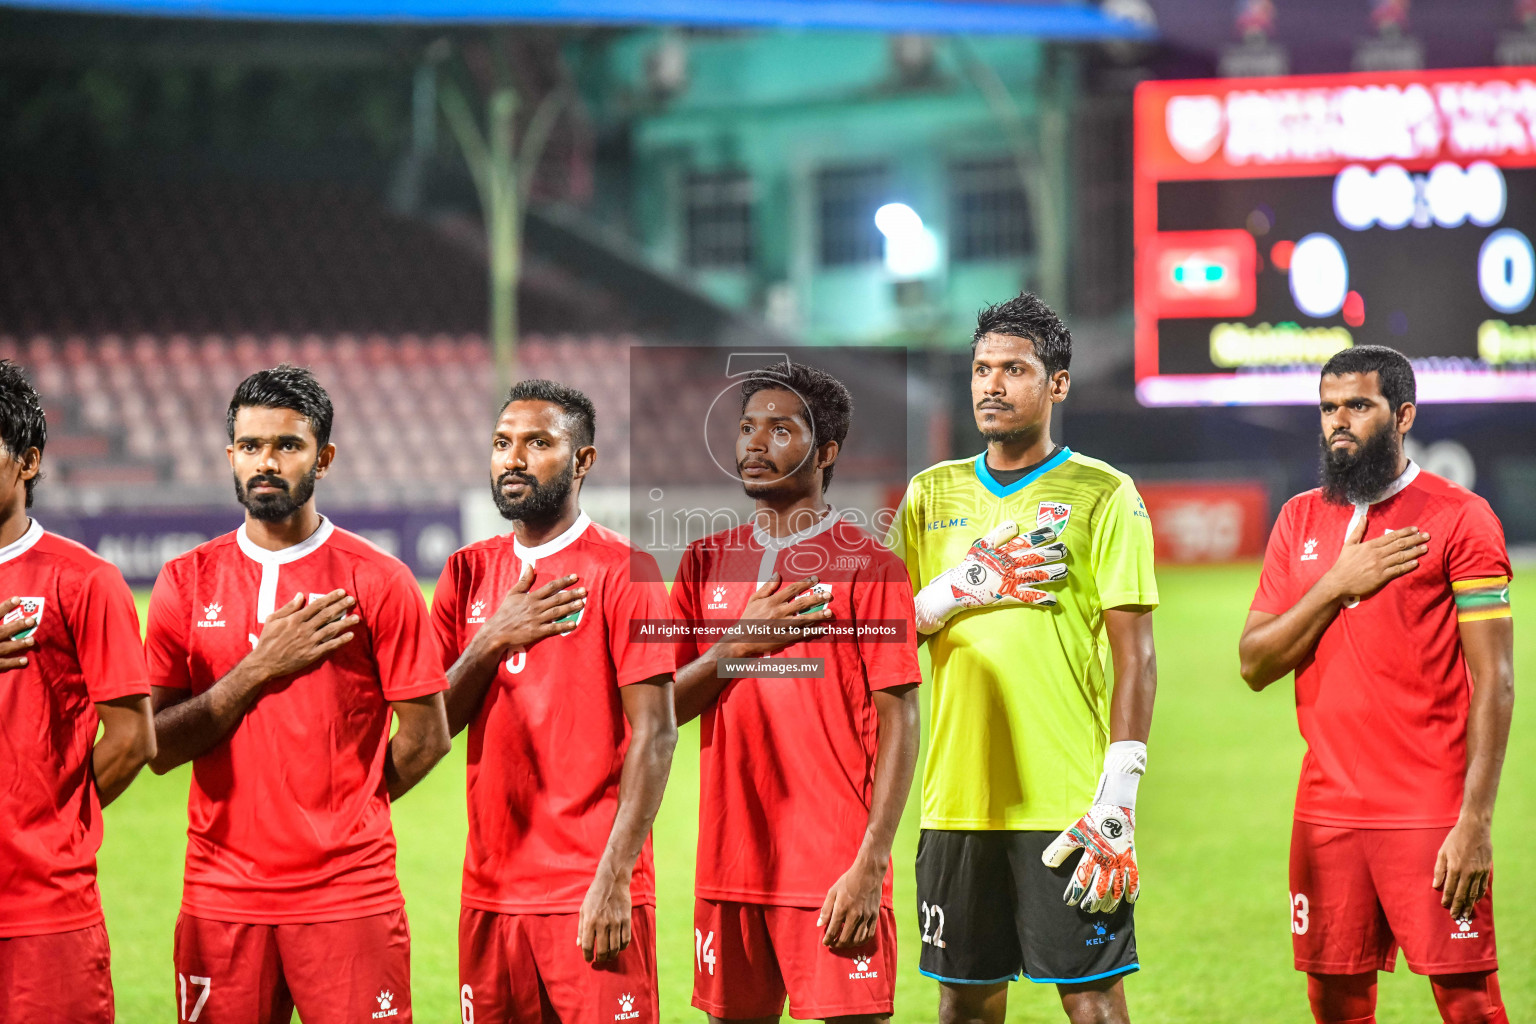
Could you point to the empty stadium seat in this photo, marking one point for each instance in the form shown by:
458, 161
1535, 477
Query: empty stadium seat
413, 415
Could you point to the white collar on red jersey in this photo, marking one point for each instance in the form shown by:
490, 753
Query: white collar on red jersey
1392, 489
821, 526
773, 545
292, 553
1404, 478
21, 545
528, 556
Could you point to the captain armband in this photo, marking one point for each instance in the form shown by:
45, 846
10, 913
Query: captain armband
1486, 598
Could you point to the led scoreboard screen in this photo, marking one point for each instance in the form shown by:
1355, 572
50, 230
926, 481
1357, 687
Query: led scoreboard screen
1279, 220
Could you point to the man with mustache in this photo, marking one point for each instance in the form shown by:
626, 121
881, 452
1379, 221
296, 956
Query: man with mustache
571, 733
1013, 876
279, 655
803, 775
71, 665
1386, 591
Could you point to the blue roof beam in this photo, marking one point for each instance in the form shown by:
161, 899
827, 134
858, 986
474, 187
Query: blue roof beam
1066, 21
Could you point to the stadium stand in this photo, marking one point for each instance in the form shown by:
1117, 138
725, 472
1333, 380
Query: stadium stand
139, 306
227, 256
130, 418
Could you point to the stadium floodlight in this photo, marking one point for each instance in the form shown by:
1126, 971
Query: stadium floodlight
911, 250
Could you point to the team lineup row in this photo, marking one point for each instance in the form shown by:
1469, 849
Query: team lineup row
277, 658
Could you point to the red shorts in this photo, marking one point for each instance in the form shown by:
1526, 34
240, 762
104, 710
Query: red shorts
748, 957
1358, 894
528, 967
61, 978
334, 972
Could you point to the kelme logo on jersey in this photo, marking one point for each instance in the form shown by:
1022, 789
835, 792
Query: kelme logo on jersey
861, 969
30, 607
944, 524
387, 1007
1101, 935
717, 600
627, 1009
210, 619
476, 613
1053, 513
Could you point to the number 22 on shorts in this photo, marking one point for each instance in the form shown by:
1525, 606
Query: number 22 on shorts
933, 920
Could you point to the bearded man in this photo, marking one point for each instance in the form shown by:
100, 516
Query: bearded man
571, 732
1386, 591
280, 657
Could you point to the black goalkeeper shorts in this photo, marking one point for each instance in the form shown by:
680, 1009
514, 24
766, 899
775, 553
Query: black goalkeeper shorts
991, 911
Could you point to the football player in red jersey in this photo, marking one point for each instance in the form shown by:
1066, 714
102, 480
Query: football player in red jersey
803, 775
1386, 591
70, 658
571, 733
279, 655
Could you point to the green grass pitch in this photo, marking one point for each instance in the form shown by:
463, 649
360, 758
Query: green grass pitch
1212, 840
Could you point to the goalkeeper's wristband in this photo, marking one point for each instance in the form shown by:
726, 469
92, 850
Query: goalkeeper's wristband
1124, 764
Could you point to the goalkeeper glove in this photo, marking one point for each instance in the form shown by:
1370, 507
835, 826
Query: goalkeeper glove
1000, 568
1107, 836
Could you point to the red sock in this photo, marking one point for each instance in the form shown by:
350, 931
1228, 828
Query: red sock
1342, 998
1469, 998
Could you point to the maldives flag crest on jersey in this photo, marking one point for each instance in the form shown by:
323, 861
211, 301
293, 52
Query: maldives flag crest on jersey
1053, 513
30, 607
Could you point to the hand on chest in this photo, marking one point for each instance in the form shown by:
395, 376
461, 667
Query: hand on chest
230, 612
497, 601
1390, 558
958, 529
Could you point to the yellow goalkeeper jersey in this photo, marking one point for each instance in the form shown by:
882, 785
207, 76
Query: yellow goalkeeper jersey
1019, 713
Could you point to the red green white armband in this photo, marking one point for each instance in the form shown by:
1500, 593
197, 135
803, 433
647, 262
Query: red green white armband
1486, 598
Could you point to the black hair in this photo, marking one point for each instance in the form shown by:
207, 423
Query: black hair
22, 423
1025, 316
1394, 373
825, 397
285, 387
575, 405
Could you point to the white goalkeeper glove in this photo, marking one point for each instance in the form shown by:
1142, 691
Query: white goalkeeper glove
1106, 834
1000, 568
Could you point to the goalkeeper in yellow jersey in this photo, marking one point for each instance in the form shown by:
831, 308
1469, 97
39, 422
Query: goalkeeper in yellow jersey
1032, 567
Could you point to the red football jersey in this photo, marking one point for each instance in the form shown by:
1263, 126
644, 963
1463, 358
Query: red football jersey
87, 651
787, 766
1383, 699
548, 745
288, 816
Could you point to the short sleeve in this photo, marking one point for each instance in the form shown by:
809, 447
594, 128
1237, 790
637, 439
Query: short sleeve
1475, 549
446, 613
685, 605
886, 596
1276, 594
165, 644
902, 538
404, 648
105, 624
632, 597
1122, 551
